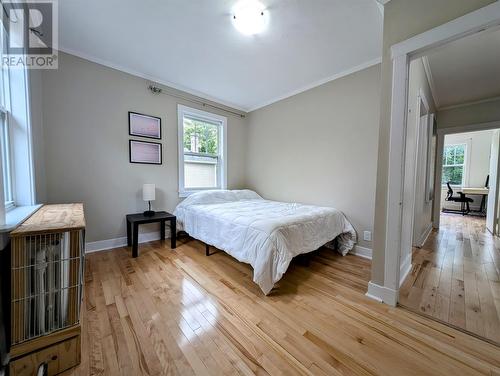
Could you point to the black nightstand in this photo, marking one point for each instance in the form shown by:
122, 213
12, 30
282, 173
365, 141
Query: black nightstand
134, 220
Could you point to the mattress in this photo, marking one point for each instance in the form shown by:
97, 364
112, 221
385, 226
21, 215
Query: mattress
265, 234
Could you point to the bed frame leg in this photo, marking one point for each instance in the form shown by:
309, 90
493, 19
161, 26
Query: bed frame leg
207, 250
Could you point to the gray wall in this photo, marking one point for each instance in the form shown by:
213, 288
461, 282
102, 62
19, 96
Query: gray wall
299, 149
320, 147
85, 121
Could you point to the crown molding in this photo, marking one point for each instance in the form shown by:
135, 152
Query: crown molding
206, 97
194, 93
347, 72
466, 104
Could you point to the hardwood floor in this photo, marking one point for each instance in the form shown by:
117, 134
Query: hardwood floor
180, 312
455, 277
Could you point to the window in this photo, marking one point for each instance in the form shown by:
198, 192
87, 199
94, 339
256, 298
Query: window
5, 152
16, 153
202, 150
454, 164
5, 158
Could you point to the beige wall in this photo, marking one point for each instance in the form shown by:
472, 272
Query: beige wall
402, 20
85, 121
320, 147
468, 115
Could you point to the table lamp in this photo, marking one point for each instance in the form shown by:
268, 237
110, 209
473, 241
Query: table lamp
148, 194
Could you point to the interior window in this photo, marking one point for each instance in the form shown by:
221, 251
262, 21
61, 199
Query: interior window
454, 164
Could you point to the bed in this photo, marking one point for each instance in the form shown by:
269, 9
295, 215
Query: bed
265, 234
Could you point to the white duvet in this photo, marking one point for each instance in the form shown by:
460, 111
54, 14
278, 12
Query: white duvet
265, 234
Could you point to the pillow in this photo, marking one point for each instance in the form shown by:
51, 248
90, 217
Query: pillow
209, 197
220, 196
246, 194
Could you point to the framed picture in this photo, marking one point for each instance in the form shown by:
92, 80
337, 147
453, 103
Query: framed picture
145, 152
141, 125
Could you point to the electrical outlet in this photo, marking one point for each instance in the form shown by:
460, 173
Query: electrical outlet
367, 235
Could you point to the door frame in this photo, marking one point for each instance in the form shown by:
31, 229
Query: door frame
412, 149
441, 133
420, 143
486, 18
493, 193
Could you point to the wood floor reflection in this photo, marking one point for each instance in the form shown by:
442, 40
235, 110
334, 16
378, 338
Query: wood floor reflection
455, 277
180, 312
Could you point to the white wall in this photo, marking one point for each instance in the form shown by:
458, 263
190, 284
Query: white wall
85, 120
477, 162
419, 85
320, 147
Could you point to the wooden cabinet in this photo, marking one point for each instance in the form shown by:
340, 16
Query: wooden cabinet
47, 261
58, 357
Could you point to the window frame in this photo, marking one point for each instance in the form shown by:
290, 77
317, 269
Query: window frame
185, 111
5, 110
5, 149
465, 165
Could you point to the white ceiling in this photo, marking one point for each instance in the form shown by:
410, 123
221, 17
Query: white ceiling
192, 44
466, 70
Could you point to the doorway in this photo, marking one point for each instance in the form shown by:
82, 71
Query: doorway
398, 200
454, 276
449, 257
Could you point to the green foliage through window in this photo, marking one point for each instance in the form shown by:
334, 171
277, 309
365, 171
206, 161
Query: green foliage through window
454, 164
200, 136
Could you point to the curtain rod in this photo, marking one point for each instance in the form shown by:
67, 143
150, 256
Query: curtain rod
158, 90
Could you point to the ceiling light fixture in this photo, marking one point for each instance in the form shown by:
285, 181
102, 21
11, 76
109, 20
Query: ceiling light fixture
249, 17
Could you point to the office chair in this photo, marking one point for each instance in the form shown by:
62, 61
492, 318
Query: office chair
464, 201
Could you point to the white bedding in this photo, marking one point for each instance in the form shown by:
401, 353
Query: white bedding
265, 234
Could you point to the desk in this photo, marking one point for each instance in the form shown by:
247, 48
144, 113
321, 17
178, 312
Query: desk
477, 191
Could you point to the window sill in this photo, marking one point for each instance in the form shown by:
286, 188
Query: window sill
16, 216
9, 206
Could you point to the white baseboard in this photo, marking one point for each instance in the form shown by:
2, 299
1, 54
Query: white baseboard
405, 269
382, 294
103, 245
362, 252
423, 237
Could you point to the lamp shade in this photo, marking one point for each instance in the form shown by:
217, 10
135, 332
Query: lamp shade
148, 192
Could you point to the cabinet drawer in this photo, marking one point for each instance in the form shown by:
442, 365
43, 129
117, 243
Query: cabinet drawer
58, 357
